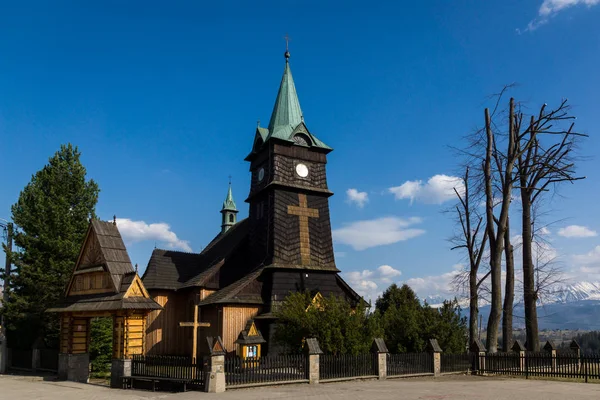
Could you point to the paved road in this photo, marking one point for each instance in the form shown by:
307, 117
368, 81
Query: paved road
473, 388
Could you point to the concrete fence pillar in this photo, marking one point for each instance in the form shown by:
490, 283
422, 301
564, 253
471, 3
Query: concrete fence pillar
379, 349
35, 359
520, 349
574, 346
3, 353
436, 352
313, 352
215, 377
74, 367
477, 349
550, 348
118, 369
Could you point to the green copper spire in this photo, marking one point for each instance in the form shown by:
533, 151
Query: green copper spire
286, 112
229, 204
229, 211
287, 121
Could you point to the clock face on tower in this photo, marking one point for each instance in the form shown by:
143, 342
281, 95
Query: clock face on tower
302, 170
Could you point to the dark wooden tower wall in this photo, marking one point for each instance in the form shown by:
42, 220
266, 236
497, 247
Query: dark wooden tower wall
275, 232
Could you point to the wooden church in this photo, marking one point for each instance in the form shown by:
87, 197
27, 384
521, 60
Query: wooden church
232, 288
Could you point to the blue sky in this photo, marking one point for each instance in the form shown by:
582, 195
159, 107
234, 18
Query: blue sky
162, 100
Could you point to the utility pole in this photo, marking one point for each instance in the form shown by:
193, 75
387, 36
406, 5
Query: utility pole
8, 228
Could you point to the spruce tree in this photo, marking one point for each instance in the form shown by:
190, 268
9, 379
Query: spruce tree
51, 216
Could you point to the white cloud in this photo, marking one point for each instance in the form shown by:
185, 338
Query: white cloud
544, 231
550, 8
353, 196
437, 190
435, 285
387, 271
576, 231
362, 235
139, 231
587, 265
371, 283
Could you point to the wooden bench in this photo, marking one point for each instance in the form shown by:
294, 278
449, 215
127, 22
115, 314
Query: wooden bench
128, 381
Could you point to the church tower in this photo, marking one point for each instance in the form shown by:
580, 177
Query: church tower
290, 229
228, 212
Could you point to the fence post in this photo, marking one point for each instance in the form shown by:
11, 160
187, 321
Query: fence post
518, 347
574, 346
380, 349
436, 352
119, 368
550, 348
478, 350
35, 359
215, 378
313, 352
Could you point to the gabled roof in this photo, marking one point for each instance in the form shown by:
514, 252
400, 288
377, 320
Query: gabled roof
113, 249
103, 249
131, 296
174, 270
246, 290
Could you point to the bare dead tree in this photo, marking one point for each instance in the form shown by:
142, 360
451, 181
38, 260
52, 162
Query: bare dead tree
509, 292
472, 239
545, 159
497, 225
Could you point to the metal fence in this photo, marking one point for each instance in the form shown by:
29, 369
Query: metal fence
543, 364
21, 358
280, 368
456, 362
48, 359
178, 368
347, 365
409, 364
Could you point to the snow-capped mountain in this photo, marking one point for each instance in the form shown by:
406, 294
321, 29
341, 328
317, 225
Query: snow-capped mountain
575, 292
569, 306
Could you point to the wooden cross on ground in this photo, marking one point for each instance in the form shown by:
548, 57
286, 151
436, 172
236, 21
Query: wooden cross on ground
304, 213
195, 325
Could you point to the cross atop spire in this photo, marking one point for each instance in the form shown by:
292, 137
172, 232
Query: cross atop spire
287, 47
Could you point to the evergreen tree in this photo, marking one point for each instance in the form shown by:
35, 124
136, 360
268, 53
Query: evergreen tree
339, 328
402, 319
408, 324
52, 216
101, 344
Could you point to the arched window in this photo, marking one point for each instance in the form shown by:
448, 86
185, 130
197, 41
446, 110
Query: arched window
301, 139
231, 218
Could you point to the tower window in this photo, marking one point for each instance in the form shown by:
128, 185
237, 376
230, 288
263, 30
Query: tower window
301, 139
231, 218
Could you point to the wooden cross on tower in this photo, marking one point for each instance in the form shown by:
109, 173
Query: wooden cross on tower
195, 325
304, 213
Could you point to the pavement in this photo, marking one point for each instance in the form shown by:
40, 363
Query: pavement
452, 387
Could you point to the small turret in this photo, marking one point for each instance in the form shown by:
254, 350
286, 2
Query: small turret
228, 212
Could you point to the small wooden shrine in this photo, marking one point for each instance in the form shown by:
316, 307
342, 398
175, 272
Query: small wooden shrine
103, 284
249, 341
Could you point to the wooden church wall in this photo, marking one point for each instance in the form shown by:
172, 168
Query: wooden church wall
234, 321
214, 316
163, 333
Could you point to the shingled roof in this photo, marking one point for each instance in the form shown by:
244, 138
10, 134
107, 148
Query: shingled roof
113, 250
246, 290
103, 250
174, 270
